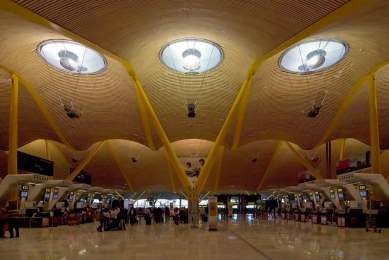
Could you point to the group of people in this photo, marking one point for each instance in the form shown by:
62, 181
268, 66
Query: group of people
9, 220
180, 215
115, 218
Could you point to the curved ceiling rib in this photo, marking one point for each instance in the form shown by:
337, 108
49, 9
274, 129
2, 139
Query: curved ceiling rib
42, 107
337, 15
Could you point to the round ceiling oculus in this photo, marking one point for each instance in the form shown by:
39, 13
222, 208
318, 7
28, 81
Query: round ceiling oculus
71, 57
191, 55
311, 56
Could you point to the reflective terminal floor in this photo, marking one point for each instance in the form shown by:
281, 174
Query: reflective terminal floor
241, 237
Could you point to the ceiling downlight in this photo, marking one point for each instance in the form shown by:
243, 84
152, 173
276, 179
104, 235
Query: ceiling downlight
311, 56
191, 56
71, 57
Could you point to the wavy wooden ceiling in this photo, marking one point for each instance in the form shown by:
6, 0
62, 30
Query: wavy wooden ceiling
246, 30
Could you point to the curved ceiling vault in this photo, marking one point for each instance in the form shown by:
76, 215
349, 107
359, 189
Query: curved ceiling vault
135, 31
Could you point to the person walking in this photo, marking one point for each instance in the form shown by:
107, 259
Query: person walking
3, 221
13, 221
100, 218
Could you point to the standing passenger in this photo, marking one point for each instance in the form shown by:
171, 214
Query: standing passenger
3, 220
13, 221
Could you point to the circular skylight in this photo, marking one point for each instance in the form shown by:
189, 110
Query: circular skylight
191, 55
315, 55
71, 57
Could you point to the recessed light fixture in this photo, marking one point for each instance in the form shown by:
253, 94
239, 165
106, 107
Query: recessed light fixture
71, 57
191, 55
311, 56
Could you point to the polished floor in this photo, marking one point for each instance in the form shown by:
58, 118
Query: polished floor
237, 238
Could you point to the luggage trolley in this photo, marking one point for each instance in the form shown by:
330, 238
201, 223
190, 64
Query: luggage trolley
371, 221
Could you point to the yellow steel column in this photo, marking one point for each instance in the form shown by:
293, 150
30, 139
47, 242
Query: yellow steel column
84, 162
165, 141
139, 197
342, 149
119, 194
270, 165
219, 167
242, 113
374, 127
221, 136
120, 165
55, 148
306, 164
169, 165
13, 127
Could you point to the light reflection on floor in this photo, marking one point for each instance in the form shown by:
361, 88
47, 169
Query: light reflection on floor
239, 237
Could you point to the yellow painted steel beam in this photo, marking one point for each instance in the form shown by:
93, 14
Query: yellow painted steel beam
303, 161
170, 173
35, 18
270, 165
342, 149
183, 194
346, 103
41, 105
205, 171
140, 196
204, 196
335, 16
13, 127
84, 162
241, 115
144, 117
56, 149
120, 165
47, 149
119, 194
165, 141
374, 127
219, 167
133, 195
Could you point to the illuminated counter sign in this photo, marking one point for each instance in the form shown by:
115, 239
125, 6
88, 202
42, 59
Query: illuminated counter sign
55, 194
25, 187
332, 194
362, 191
340, 193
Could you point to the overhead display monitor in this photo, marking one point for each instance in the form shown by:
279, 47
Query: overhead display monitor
55, 196
30, 163
82, 177
47, 195
332, 196
340, 195
363, 193
24, 194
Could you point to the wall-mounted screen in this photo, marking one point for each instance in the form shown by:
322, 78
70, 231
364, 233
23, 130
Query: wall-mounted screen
77, 197
71, 197
55, 196
30, 163
340, 195
317, 197
24, 194
363, 193
47, 195
82, 177
332, 196
311, 197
